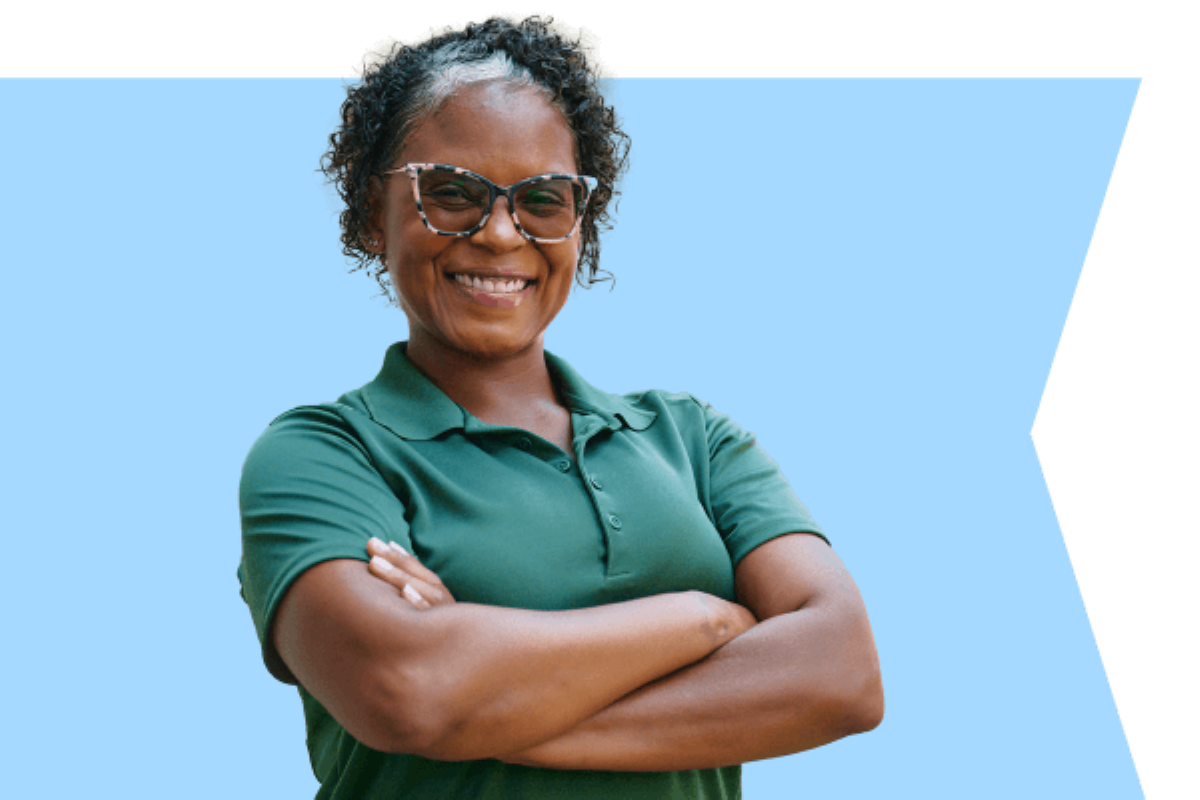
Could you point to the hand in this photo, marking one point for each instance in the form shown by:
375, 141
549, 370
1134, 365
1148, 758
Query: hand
415, 583
727, 620
745, 619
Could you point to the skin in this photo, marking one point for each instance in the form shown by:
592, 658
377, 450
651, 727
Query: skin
806, 676
674, 681
488, 359
395, 676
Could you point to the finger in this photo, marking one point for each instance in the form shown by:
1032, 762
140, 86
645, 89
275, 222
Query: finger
401, 558
414, 597
401, 581
431, 594
411, 563
396, 554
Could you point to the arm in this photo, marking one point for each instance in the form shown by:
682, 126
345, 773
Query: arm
458, 681
807, 675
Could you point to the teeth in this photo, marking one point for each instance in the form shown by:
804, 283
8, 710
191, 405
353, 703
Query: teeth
491, 285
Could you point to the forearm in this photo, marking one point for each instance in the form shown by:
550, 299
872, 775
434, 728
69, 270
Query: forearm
794, 682
488, 680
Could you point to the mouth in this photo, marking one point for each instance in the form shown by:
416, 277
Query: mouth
492, 284
497, 291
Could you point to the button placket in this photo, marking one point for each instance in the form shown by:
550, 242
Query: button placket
611, 524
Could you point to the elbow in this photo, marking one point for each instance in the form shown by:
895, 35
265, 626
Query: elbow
860, 683
862, 705
452, 726
868, 710
427, 720
406, 734
443, 741
399, 732
849, 698
449, 743
401, 714
439, 735
422, 705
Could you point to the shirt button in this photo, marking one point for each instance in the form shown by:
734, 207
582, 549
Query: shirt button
615, 521
596, 484
563, 466
524, 444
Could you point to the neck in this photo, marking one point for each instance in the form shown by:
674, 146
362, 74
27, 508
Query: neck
487, 387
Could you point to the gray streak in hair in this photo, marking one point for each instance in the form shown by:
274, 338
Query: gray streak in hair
450, 68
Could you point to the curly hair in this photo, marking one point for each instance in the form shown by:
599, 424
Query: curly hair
411, 82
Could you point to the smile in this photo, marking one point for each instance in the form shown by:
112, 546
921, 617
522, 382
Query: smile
491, 285
493, 291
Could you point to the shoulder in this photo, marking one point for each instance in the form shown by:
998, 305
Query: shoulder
677, 405
652, 409
347, 411
345, 417
311, 490
304, 439
685, 412
685, 402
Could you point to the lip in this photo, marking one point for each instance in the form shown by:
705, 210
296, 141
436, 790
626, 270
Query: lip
505, 274
492, 299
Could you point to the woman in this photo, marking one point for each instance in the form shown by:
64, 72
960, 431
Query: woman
488, 578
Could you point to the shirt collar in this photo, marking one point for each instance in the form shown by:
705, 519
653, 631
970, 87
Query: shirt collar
407, 403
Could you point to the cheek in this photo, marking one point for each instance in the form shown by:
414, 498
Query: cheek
568, 267
412, 259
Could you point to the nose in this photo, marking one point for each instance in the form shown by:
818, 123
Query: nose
500, 234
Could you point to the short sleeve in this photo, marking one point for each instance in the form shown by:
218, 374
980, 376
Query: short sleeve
309, 493
750, 500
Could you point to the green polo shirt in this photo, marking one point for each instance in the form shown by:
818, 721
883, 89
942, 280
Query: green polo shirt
664, 494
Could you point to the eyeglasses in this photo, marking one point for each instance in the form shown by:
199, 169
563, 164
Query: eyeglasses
454, 201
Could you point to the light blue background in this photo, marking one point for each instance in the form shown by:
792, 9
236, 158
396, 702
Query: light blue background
882, 313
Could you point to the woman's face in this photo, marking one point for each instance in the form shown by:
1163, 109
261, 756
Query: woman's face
506, 134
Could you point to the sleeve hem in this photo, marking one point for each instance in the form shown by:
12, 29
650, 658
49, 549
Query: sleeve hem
279, 590
743, 542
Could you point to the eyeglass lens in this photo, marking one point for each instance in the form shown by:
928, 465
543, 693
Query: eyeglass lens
455, 203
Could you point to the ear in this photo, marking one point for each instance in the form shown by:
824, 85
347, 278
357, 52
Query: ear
372, 241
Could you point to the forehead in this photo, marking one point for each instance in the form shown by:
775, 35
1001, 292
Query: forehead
503, 132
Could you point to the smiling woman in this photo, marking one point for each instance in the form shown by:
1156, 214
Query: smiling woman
509, 133
486, 577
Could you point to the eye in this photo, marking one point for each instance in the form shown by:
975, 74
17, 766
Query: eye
453, 192
546, 198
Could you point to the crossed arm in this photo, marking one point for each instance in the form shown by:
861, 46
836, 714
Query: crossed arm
775, 689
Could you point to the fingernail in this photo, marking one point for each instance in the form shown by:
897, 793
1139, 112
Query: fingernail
412, 594
381, 563
398, 548
375, 541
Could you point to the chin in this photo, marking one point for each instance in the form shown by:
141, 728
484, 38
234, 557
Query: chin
493, 349
482, 345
